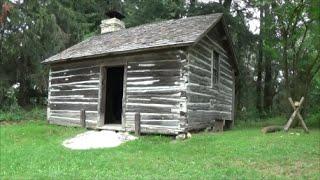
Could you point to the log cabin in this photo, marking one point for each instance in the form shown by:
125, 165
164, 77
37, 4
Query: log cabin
179, 75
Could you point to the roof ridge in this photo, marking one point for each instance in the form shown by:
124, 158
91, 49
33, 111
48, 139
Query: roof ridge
158, 22
156, 35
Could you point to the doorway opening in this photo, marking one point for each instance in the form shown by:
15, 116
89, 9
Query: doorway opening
114, 94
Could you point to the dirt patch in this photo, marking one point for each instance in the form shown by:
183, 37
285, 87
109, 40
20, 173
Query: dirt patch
97, 139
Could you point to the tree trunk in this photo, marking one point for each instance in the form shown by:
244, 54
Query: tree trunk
286, 70
192, 3
23, 96
268, 89
268, 86
259, 79
259, 65
24, 93
227, 4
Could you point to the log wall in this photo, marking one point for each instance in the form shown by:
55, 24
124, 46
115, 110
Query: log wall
72, 88
171, 90
206, 102
155, 87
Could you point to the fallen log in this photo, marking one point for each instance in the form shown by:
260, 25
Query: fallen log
271, 129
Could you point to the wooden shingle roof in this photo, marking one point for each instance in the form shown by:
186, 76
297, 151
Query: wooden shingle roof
171, 33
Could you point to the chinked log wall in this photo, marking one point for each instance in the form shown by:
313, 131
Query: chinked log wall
201, 113
154, 87
72, 88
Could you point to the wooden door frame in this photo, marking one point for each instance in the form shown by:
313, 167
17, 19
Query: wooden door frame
102, 90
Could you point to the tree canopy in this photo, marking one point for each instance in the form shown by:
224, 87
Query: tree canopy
281, 61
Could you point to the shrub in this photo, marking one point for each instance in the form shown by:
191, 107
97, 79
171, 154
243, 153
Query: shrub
313, 120
8, 97
36, 113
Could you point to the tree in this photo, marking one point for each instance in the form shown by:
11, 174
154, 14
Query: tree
269, 51
297, 28
32, 31
260, 61
146, 11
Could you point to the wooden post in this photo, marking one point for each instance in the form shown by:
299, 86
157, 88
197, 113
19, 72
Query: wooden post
296, 107
233, 99
137, 119
102, 95
218, 125
83, 118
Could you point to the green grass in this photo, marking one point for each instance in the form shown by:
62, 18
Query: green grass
20, 114
33, 150
312, 121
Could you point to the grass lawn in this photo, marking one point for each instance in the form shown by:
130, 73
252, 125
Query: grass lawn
32, 149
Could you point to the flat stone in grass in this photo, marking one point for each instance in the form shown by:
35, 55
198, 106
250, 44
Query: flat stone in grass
97, 139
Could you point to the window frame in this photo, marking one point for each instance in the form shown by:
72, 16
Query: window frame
215, 69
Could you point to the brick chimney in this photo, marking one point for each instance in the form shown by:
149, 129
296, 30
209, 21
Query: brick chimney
113, 23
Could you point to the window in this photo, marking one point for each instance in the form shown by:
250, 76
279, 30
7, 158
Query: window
215, 68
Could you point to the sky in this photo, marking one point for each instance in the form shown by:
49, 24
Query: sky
252, 23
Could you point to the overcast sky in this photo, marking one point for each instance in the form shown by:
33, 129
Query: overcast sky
252, 23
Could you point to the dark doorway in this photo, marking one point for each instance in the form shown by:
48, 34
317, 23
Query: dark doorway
114, 92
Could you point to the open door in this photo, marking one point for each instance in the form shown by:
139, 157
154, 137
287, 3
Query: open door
114, 94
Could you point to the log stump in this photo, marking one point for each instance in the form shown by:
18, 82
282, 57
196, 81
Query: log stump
218, 125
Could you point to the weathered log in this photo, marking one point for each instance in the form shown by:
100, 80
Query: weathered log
199, 55
69, 122
145, 108
155, 83
88, 107
200, 48
173, 64
77, 78
137, 127
163, 122
154, 100
62, 71
218, 125
197, 79
70, 99
200, 63
163, 73
83, 118
271, 129
86, 93
199, 71
74, 115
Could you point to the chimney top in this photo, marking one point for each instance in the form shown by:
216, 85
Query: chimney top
113, 23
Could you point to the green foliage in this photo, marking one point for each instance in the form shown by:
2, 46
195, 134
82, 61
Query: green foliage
258, 123
147, 11
8, 97
12, 116
36, 30
238, 154
313, 119
298, 28
247, 113
19, 114
314, 105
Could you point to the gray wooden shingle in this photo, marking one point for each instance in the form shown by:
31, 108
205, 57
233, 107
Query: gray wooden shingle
180, 32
